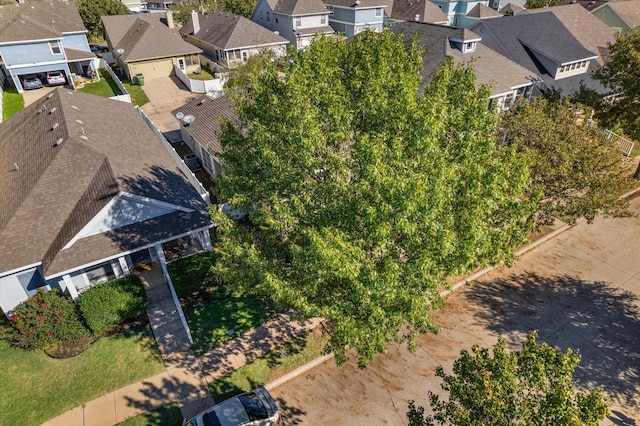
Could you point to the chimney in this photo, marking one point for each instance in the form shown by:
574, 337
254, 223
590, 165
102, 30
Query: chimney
195, 21
170, 23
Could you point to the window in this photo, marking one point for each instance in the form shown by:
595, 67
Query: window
55, 47
323, 20
330, 10
584, 64
100, 274
378, 12
298, 21
260, 15
276, 19
268, 16
573, 66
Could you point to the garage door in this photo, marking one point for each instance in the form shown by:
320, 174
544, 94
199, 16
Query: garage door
153, 69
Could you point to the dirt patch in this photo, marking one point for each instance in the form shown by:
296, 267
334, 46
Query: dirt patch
69, 348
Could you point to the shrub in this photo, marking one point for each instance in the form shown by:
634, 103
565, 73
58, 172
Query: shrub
46, 318
113, 302
193, 274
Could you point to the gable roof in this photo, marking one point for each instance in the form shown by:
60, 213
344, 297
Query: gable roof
407, 10
481, 11
362, 4
628, 10
228, 31
511, 9
38, 20
590, 31
490, 67
145, 36
208, 113
297, 7
61, 163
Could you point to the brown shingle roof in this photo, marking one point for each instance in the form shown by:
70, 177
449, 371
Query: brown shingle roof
629, 10
62, 180
590, 31
145, 37
78, 55
297, 7
229, 31
512, 9
481, 11
37, 20
406, 10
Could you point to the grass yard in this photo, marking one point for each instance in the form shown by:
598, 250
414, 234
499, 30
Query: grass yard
205, 74
12, 102
106, 87
167, 415
36, 388
271, 366
138, 97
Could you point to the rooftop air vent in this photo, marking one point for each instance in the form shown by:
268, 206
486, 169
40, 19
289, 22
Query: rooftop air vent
84, 137
58, 142
55, 126
74, 107
54, 109
79, 122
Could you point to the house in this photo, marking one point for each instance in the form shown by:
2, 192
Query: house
87, 193
479, 11
135, 5
149, 44
508, 79
160, 5
457, 10
230, 39
41, 36
416, 10
592, 33
349, 17
622, 16
296, 20
203, 133
554, 56
510, 9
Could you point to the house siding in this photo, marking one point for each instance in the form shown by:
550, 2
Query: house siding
18, 287
76, 41
32, 53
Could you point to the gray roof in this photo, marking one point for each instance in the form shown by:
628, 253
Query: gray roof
228, 31
208, 113
569, 85
297, 7
406, 10
145, 36
49, 191
78, 55
490, 67
38, 20
481, 11
590, 31
362, 4
519, 35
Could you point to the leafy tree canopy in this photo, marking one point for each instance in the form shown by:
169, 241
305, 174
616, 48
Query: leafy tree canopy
621, 74
575, 168
537, 4
91, 11
363, 195
533, 386
183, 9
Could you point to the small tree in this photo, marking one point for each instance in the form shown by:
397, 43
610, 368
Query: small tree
533, 386
91, 12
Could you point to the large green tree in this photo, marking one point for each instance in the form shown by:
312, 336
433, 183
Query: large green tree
621, 73
533, 386
362, 195
576, 171
183, 9
91, 11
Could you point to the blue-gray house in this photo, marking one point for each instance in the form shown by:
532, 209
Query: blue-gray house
349, 17
40, 36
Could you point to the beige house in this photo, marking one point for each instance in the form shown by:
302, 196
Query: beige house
148, 44
622, 16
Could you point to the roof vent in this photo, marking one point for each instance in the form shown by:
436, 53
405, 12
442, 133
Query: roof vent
74, 107
58, 142
187, 120
69, 93
54, 109
50, 95
84, 137
55, 126
79, 122
201, 102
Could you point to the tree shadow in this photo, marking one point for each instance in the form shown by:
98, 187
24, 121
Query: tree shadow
290, 415
602, 323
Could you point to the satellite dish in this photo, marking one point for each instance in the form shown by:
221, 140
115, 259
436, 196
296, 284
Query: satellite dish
179, 115
188, 119
120, 51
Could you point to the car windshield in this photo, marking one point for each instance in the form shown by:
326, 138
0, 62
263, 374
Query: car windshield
211, 419
255, 408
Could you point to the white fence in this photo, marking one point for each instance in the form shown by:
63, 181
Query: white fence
124, 97
626, 146
181, 164
200, 86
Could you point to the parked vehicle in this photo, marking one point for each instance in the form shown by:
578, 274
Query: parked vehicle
255, 408
55, 77
31, 83
96, 48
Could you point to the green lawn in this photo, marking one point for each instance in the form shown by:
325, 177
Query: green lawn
36, 388
12, 102
106, 87
167, 415
205, 74
138, 97
271, 366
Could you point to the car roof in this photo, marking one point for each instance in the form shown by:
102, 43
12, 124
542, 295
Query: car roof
231, 413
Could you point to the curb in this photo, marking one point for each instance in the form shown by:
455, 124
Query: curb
298, 371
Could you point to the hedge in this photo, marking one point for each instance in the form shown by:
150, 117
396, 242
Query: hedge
113, 302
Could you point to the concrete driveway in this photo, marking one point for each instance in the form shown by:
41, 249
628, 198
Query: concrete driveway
165, 94
580, 290
30, 96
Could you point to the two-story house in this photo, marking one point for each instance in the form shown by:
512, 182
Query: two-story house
416, 10
457, 10
349, 17
39, 36
555, 56
230, 39
296, 20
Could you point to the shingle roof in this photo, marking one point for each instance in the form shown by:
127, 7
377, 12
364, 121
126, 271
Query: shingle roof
297, 7
407, 10
519, 33
591, 32
37, 20
61, 162
357, 5
481, 11
78, 55
490, 67
629, 10
228, 31
512, 9
206, 127
144, 36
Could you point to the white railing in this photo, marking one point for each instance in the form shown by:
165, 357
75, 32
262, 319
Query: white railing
181, 164
124, 97
200, 86
626, 146
174, 296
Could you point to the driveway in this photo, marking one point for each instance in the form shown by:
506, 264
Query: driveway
165, 94
580, 290
30, 96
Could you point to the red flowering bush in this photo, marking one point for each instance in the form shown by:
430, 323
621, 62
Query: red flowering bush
47, 317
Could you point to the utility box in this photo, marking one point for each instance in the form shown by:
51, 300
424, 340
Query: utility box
140, 79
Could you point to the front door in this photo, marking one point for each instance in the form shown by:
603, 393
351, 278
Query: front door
181, 64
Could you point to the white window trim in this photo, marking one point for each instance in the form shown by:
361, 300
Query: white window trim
57, 44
